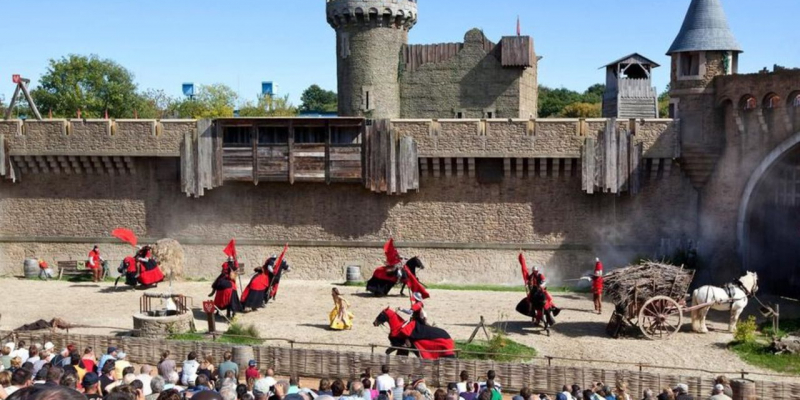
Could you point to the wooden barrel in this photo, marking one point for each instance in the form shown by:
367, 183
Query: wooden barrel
743, 389
242, 356
30, 268
354, 274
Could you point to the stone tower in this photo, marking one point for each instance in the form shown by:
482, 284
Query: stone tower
704, 49
369, 37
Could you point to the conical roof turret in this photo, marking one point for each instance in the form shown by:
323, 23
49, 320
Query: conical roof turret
705, 28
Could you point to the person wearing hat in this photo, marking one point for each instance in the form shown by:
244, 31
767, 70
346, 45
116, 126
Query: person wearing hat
262, 389
91, 386
111, 354
719, 393
597, 286
252, 370
416, 311
682, 392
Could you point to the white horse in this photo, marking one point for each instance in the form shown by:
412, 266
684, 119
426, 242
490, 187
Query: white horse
732, 297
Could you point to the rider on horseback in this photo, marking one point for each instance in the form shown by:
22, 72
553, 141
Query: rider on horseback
416, 311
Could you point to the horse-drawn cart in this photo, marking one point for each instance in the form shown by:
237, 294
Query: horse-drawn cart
651, 297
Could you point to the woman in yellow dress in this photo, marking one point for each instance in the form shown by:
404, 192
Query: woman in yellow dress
340, 317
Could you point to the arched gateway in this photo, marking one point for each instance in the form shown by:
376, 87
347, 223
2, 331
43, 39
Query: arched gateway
768, 225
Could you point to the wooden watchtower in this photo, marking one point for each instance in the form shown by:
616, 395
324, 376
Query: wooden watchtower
629, 88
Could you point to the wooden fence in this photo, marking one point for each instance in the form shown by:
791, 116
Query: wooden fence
392, 162
612, 163
348, 365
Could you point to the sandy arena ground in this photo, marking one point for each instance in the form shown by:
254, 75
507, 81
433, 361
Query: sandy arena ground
302, 307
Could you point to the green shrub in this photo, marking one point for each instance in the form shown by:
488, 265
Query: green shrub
746, 331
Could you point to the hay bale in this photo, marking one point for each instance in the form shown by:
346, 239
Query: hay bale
170, 256
646, 280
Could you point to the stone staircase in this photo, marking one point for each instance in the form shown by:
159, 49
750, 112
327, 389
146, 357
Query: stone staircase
698, 162
637, 108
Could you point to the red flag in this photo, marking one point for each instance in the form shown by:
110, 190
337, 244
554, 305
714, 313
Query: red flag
230, 249
414, 285
524, 266
392, 256
126, 235
519, 28
279, 260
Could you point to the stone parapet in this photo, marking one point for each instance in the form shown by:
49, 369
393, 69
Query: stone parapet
77, 137
534, 138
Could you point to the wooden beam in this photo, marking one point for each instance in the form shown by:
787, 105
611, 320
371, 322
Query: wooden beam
328, 152
471, 167
12, 103
254, 143
291, 152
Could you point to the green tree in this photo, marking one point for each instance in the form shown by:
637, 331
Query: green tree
269, 106
553, 101
90, 84
157, 104
663, 103
317, 99
594, 94
582, 110
211, 101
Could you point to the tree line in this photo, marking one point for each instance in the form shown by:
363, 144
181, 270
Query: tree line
98, 87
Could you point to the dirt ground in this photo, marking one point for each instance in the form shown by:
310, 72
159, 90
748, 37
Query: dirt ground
301, 314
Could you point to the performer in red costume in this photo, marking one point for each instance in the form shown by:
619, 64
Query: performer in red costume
597, 286
95, 263
149, 272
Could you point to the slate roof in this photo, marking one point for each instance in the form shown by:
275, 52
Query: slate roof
705, 28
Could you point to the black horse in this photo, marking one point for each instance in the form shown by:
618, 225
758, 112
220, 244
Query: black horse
413, 265
535, 305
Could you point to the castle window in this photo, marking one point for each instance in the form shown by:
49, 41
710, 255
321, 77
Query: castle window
690, 64
459, 115
772, 101
749, 103
309, 134
237, 136
273, 135
489, 170
367, 100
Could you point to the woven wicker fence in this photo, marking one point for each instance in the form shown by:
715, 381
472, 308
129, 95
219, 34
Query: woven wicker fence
347, 365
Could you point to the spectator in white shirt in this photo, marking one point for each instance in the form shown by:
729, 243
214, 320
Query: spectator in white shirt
190, 367
384, 382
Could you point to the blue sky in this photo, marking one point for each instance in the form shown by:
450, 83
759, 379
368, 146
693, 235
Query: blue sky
243, 42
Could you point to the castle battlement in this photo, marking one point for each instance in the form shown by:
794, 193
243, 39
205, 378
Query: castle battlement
401, 14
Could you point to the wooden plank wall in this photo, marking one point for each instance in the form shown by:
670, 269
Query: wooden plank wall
392, 162
414, 56
200, 168
613, 162
517, 51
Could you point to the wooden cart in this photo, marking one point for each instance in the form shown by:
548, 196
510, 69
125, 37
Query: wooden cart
659, 315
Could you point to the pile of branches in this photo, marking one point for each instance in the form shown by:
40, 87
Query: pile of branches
646, 280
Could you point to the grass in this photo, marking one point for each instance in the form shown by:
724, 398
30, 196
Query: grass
236, 334
481, 288
499, 348
787, 326
755, 348
758, 354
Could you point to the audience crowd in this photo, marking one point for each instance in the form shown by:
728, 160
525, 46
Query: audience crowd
40, 372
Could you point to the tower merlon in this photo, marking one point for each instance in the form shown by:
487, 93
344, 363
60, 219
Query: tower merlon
401, 14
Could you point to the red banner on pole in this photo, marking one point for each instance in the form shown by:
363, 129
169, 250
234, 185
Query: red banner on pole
230, 249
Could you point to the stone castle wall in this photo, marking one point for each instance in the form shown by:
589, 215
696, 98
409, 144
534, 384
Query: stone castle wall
473, 82
454, 223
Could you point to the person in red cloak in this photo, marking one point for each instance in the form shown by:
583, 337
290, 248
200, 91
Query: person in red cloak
95, 263
417, 311
224, 290
254, 295
149, 272
128, 269
597, 286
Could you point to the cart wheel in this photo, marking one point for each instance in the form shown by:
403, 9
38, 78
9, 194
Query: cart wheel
660, 317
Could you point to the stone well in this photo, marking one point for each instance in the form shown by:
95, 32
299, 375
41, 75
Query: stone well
161, 315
